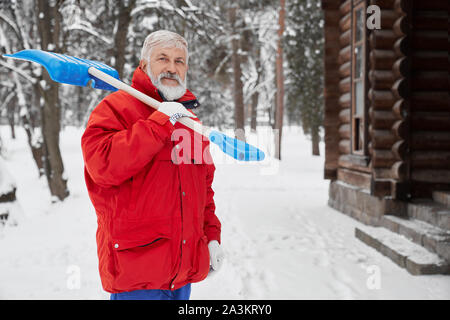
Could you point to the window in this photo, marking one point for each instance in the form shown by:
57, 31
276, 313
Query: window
358, 79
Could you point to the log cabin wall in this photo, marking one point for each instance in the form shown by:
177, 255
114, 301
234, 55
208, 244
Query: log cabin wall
422, 126
429, 101
373, 172
401, 72
352, 175
402, 153
408, 115
381, 99
331, 92
352, 169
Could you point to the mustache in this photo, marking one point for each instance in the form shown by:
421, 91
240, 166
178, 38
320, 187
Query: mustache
169, 75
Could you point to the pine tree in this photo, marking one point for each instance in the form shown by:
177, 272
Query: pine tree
304, 47
280, 80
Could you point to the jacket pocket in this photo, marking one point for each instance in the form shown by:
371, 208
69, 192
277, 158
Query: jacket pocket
129, 233
142, 255
120, 245
200, 267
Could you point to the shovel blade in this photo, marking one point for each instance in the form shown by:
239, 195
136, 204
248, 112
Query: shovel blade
238, 149
66, 69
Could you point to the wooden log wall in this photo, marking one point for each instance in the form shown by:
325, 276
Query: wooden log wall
332, 117
344, 61
381, 99
401, 70
408, 112
352, 169
429, 103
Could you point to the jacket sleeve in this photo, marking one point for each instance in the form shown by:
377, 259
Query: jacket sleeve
212, 226
112, 153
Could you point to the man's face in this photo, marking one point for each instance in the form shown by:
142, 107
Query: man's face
167, 70
172, 60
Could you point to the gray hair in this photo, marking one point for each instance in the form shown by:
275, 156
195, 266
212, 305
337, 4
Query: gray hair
165, 39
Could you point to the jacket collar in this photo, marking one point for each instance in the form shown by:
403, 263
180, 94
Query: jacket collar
141, 81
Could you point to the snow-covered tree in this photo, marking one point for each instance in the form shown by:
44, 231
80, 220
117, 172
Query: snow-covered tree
304, 47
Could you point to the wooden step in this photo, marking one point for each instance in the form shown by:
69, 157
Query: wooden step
413, 257
442, 197
432, 238
431, 212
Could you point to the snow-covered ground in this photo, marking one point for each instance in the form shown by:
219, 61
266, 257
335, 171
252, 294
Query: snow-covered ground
281, 239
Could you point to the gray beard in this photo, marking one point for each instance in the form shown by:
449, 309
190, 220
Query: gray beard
169, 92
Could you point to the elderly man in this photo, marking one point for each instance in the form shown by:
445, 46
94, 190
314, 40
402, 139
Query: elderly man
157, 229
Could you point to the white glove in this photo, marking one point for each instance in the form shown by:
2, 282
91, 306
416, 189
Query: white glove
175, 111
216, 255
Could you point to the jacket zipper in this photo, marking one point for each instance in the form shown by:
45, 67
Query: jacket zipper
181, 246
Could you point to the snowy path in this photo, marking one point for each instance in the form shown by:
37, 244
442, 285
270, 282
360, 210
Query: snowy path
281, 239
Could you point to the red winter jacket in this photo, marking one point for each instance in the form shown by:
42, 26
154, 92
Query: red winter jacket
155, 217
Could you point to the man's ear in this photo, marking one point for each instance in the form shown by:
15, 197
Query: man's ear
143, 65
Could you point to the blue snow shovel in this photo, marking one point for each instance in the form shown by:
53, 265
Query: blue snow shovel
81, 72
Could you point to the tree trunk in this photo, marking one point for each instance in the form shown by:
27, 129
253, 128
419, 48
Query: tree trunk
30, 125
237, 82
273, 107
120, 38
51, 126
11, 110
255, 97
315, 141
280, 81
80, 103
12, 126
36, 146
49, 29
253, 113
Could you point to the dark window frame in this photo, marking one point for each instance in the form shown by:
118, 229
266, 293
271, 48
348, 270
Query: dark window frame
359, 122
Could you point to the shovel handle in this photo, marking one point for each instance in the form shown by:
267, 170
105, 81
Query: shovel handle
155, 104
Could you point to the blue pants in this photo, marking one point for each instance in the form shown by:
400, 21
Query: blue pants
182, 293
